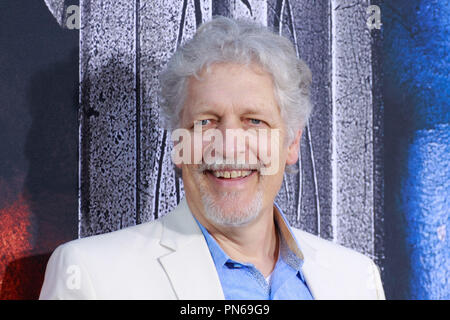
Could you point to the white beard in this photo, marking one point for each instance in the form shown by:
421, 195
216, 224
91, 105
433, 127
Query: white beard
228, 210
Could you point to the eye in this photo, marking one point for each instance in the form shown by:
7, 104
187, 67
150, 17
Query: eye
203, 122
255, 121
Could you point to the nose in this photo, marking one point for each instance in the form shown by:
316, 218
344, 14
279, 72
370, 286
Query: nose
234, 144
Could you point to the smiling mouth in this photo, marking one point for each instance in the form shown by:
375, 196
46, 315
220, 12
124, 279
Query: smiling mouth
230, 174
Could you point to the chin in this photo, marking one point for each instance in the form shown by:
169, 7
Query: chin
230, 211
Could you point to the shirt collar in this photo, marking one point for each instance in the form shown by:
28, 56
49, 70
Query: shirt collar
289, 249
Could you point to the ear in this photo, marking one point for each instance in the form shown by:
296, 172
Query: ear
294, 147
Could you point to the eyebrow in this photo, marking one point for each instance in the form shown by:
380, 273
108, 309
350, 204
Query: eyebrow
203, 108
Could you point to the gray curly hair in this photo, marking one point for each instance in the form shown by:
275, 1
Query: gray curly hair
239, 41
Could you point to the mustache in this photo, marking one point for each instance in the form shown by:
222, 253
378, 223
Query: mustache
227, 166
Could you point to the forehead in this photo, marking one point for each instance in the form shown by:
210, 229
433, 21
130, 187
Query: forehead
229, 87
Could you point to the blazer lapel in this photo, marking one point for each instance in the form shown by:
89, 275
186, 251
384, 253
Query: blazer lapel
319, 277
189, 266
319, 280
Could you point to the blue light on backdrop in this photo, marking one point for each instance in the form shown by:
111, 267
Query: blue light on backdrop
416, 96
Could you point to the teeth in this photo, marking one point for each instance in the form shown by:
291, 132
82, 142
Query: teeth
218, 174
245, 173
231, 174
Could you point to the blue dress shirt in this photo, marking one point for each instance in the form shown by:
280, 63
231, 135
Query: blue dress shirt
242, 281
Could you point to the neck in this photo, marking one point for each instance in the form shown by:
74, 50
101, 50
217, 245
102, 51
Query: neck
256, 243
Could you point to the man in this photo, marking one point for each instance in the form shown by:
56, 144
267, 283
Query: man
227, 239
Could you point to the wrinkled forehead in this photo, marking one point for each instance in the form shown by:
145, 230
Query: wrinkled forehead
231, 88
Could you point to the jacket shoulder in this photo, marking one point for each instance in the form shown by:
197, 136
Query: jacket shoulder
329, 249
123, 238
103, 265
354, 274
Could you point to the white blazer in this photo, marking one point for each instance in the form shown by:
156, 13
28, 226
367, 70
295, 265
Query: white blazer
169, 259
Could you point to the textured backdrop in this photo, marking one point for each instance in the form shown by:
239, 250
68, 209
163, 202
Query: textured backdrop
374, 168
126, 172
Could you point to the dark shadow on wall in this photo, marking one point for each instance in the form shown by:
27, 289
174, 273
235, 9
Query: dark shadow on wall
108, 145
399, 126
50, 187
397, 268
23, 278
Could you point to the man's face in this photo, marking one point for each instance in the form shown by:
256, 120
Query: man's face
234, 100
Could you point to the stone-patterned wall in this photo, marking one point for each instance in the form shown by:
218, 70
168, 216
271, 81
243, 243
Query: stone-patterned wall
126, 175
